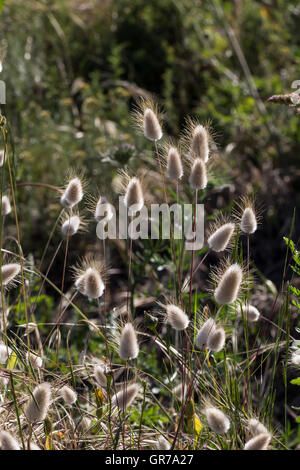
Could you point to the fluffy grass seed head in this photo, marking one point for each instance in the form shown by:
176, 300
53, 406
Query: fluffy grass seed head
2, 157
38, 405
205, 331
176, 317
8, 442
103, 210
100, 376
217, 420
71, 225
5, 352
180, 391
9, 272
126, 396
173, 163
247, 215
129, 346
6, 207
216, 340
134, 199
256, 427
163, 443
229, 279
220, 235
198, 175
295, 358
259, 442
35, 360
89, 278
68, 395
73, 192
252, 313
197, 140
148, 117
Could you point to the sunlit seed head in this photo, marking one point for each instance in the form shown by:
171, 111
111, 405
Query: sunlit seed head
134, 199
200, 143
89, 279
129, 347
6, 207
207, 328
68, 395
256, 427
259, 442
248, 221
217, 420
151, 125
229, 285
2, 157
125, 397
295, 358
163, 444
73, 193
8, 442
251, 313
198, 175
100, 376
176, 317
103, 211
5, 352
84, 424
70, 226
216, 340
94, 286
38, 405
35, 361
174, 164
9, 272
219, 239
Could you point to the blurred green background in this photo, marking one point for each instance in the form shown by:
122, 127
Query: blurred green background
73, 70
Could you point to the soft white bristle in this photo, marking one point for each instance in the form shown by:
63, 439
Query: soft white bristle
5, 352
252, 313
129, 347
259, 442
8, 442
248, 221
177, 318
35, 361
38, 405
202, 336
152, 128
100, 376
200, 143
70, 226
73, 193
219, 240
217, 420
216, 340
174, 164
256, 427
198, 176
163, 444
68, 395
134, 200
125, 397
6, 207
229, 285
